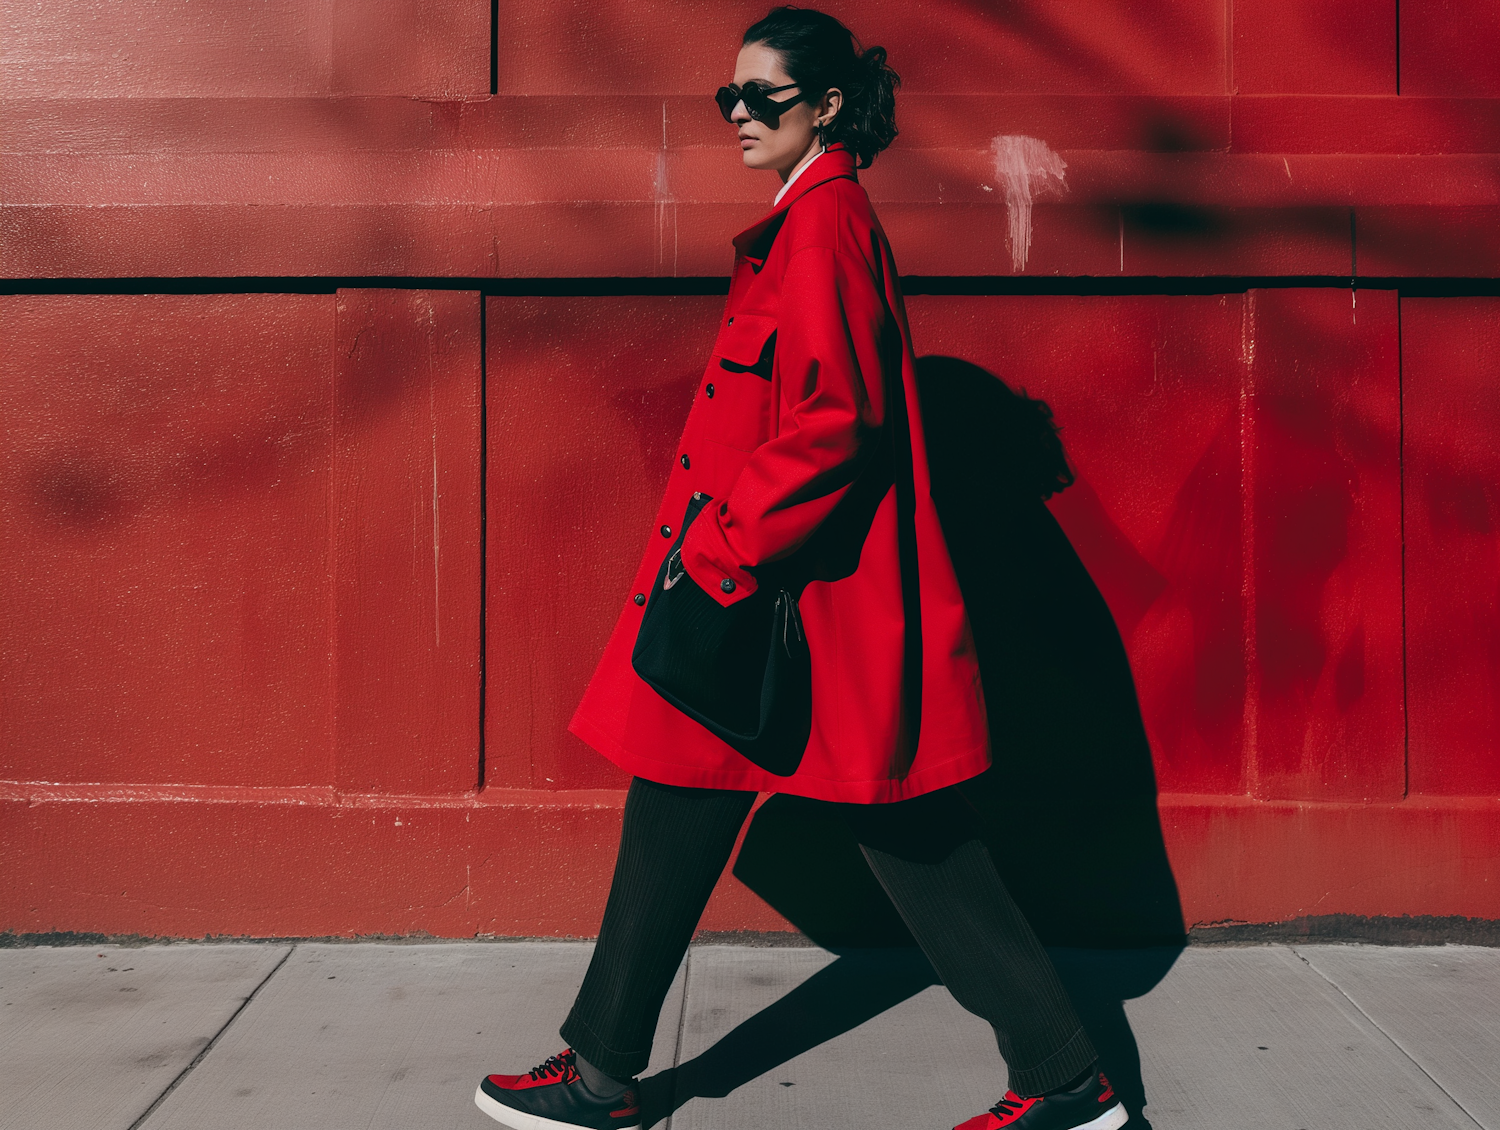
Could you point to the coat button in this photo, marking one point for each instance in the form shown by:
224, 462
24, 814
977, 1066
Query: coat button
731, 319
709, 391
727, 585
640, 598
666, 531
685, 461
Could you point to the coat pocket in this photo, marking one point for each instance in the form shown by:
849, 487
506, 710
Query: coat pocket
748, 345
740, 411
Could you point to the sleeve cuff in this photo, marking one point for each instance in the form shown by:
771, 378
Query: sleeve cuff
708, 560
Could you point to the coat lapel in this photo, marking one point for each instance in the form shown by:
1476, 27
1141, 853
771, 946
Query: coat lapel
755, 241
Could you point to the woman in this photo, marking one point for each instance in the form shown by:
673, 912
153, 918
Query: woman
805, 435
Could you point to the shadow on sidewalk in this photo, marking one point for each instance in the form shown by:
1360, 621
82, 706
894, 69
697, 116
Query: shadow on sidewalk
860, 985
863, 983
1068, 807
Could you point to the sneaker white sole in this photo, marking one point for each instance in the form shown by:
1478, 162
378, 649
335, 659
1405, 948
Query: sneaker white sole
1111, 1119
520, 1120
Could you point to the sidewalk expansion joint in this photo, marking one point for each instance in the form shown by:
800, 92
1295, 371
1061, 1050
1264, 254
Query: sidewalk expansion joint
687, 973
1354, 1004
208, 1047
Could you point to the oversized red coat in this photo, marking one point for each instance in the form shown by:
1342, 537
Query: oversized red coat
806, 432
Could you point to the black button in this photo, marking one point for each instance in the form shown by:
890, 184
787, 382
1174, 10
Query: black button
666, 531
727, 585
710, 391
731, 320
685, 461
640, 598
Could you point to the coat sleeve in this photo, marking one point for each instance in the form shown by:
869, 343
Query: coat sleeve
832, 407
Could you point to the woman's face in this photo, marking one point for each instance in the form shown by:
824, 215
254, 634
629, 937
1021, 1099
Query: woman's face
795, 136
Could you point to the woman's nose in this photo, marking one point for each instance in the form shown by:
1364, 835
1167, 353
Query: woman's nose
739, 113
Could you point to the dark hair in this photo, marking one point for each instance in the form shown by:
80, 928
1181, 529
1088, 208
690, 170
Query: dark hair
819, 53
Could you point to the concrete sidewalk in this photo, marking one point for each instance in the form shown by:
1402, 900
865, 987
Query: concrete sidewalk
333, 1036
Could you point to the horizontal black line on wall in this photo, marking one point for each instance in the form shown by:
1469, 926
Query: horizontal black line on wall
655, 286
1402, 930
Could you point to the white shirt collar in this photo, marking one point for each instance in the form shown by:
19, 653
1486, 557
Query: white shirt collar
797, 172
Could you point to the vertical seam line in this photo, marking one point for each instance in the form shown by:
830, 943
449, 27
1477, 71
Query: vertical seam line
494, 47
484, 517
1401, 529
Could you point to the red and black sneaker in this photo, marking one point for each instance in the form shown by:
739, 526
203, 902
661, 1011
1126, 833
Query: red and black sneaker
553, 1096
1094, 1107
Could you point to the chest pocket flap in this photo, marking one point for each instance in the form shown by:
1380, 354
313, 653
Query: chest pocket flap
748, 345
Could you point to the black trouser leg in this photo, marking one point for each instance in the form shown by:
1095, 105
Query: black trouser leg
940, 876
926, 854
673, 848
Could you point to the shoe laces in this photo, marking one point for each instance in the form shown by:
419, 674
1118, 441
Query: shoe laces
1011, 1107
555, 1066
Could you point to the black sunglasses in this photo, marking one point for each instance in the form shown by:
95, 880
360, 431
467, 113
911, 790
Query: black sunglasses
756, 97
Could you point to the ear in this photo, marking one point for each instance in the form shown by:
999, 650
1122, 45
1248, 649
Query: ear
829, 107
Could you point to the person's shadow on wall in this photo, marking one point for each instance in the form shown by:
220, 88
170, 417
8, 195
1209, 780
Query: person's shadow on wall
1068, 805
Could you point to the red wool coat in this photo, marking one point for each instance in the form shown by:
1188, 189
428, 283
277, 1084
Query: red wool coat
806, 432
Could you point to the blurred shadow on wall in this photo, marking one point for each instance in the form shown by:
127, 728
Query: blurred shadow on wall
1068, 807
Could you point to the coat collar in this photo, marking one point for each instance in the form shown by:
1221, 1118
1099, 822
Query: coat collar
834, 162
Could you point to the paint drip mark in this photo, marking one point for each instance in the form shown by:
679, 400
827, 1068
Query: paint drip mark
437, 607
432, 415
1027, 170
666, 203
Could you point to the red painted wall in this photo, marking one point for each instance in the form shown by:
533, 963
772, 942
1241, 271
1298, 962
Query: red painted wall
298, 590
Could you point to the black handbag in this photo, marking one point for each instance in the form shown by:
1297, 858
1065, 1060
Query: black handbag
742, 672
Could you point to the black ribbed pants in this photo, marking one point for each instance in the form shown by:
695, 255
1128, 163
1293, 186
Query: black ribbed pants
925, 853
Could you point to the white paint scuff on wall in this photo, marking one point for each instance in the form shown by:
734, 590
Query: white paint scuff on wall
666, 203
1026, 169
